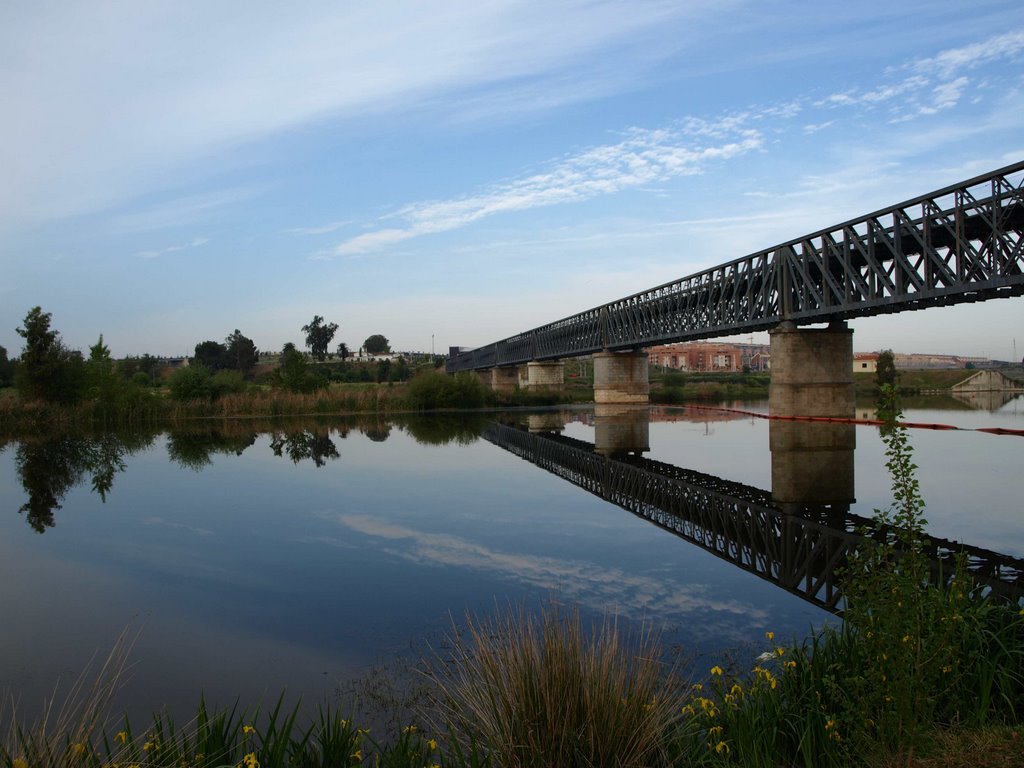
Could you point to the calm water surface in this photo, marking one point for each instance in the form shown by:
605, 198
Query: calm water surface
255, 560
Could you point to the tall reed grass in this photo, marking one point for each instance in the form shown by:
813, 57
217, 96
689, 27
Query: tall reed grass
545, 690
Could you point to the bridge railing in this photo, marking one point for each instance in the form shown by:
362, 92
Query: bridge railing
959, 244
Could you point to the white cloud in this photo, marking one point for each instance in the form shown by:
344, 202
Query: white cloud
1008, 45
815, 127
948, 94
333, 226
643, 157
183, 210
155, 253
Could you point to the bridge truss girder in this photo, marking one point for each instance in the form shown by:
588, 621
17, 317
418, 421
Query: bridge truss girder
960, 244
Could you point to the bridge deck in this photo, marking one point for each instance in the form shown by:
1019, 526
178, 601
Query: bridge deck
963, 243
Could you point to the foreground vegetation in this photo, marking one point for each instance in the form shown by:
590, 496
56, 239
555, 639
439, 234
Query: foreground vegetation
924, 668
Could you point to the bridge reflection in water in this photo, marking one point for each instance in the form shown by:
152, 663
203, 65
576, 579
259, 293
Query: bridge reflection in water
796, 536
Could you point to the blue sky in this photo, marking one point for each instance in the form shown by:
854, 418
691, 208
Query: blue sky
453, 172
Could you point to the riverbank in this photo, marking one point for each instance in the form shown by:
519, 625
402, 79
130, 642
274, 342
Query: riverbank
133, 406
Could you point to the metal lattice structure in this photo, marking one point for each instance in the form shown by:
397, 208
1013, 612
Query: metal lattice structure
964, 243
736, 522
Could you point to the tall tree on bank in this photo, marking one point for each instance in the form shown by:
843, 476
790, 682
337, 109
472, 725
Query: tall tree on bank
294, 375
211, 355
241, 352
6, 369
48, 371
377, 344
885, 369
318, 337
101, 380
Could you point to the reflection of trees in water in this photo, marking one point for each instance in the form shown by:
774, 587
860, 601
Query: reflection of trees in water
441, 429
192, 449
378, 431
306, 444
50, 467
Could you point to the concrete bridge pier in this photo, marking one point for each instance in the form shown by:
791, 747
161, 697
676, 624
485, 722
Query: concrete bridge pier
502, 379
812, 371
545, 373
621, 377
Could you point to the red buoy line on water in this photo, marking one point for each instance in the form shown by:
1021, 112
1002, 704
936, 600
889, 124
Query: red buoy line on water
868, 422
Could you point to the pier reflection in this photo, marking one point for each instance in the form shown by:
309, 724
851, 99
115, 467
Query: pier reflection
798, 535
987, 401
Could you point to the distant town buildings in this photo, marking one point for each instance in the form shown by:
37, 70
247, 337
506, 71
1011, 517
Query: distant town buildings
710, 356
917, 361
865, 362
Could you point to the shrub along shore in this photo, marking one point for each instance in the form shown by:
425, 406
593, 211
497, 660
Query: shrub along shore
925, 669
131, 405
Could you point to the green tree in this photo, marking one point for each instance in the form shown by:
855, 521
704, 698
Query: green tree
400, 372
191, 383
148, 365
101, 381
293, 373
48, 370
885, 369
318, 336
377, 344
211, 355
6, 369
343, 351
241, 353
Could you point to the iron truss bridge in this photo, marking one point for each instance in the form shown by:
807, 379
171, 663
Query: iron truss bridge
959, 244
738, 523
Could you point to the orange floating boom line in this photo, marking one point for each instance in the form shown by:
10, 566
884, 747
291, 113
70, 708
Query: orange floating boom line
866, 422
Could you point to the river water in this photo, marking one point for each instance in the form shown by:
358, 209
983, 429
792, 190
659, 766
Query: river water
258, 558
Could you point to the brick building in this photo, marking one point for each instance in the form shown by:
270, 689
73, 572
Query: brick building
709, 356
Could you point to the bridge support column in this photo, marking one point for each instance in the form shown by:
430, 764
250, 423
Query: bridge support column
621, 377
546, 373
503, 379
812, 371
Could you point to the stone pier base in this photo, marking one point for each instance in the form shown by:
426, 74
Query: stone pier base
504, 379
812, 371
547, 373
621, 377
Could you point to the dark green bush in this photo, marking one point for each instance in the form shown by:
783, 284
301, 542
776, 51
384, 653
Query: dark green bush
432, 390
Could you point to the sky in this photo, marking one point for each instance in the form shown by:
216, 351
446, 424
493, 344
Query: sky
453, 173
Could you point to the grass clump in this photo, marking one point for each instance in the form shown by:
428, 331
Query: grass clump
543, 690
